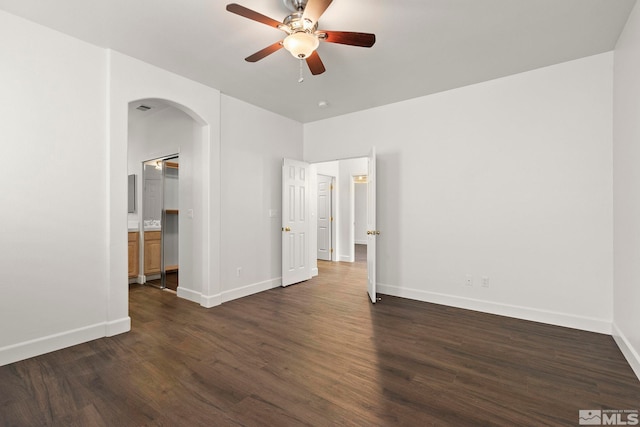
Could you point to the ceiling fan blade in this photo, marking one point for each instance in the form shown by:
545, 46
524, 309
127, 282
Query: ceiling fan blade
315, 64
252, 14
314, 9
264, 52
348, 37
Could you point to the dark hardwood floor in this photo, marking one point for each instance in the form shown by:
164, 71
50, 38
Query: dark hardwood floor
171, 281
318, 353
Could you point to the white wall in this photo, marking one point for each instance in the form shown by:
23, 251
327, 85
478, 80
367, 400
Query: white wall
328, 168
131, 80
626, 184
53, 237
360, 213
254, 142
509, 179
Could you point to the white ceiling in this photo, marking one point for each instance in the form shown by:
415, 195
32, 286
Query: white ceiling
423, 46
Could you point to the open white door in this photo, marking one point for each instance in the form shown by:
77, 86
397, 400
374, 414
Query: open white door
325, 246
372, 231
295, 222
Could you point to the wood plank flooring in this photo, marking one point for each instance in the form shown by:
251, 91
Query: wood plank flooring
171, 281
319, 354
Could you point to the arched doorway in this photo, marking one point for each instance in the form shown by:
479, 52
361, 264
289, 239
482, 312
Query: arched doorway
157, 131
131, 80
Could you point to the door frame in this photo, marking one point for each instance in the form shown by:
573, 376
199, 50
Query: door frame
355, 184
332, 223
142, 278
314, 261
298, 223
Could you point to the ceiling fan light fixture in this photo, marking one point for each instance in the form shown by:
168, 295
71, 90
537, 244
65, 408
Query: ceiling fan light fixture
301, 44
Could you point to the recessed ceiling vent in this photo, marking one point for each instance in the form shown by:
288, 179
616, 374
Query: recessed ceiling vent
143, 108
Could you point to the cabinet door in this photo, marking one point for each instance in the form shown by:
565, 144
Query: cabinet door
152, 252
133, 254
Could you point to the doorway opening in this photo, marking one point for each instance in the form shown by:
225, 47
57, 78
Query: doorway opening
360, 218
160, 212
165, 145
348, 206
342, 208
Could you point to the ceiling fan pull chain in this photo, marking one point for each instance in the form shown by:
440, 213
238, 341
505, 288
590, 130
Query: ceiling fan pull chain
301, 79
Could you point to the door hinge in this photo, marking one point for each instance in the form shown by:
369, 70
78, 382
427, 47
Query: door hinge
331, 188
331, 218
331, 250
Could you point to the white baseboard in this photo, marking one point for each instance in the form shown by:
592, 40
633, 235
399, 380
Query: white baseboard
346, 258
251, 289
117, 327
206, 301
627, 350
518, 312
360, 242
209, 301
188, 294
314, 272
24, 350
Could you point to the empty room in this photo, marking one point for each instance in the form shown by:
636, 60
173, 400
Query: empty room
317, 212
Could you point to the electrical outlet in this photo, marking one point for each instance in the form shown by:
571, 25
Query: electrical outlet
485, 281
469, 280
238, 271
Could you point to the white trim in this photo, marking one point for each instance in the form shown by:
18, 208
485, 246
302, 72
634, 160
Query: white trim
314, 272
209, 301
627, 350
345, 258
360, 242
36, 347
188, 294
251, 289
119, 326
526, 313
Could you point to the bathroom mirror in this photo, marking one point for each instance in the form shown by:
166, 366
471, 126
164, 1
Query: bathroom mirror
132, 194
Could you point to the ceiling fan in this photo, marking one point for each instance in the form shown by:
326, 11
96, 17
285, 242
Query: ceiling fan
303, 36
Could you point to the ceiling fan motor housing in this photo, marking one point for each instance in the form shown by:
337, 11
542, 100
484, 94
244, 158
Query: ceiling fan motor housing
295, 5
296, 23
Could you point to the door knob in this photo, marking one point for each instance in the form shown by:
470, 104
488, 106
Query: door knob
373, 233
286, 229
